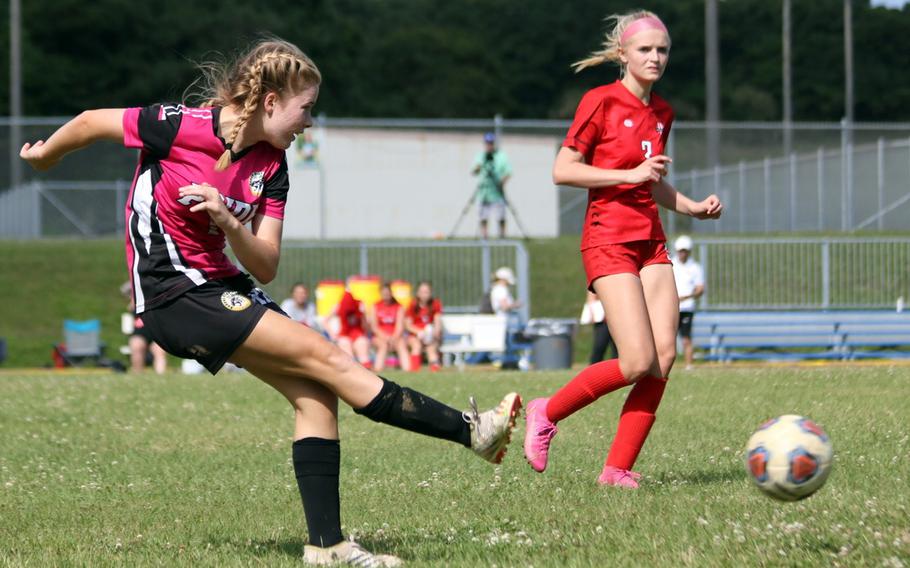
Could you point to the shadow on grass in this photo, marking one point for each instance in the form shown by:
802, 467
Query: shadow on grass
704, 477
288, 546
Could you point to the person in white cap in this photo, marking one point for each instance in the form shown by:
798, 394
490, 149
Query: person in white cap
690, 284
501, 298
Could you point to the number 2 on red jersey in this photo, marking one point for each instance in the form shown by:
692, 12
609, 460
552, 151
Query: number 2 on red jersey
646, 147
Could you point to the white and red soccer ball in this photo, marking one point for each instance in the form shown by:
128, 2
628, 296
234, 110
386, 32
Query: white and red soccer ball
789, 457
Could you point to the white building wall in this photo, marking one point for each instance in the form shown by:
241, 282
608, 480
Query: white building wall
413, 184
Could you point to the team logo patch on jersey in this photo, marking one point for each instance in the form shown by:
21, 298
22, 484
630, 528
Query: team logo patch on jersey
235, 301
660, 127
257, 183
627, 123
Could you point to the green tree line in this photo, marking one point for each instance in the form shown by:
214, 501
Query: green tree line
457, 58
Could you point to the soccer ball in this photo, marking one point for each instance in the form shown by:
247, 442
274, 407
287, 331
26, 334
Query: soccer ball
789, 457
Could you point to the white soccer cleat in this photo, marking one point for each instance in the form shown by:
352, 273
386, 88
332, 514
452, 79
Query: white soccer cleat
347, 552
491, 431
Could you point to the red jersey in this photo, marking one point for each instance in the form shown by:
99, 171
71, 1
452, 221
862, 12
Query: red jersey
386, 315
422, 316
350, 314
616, 131
169, 249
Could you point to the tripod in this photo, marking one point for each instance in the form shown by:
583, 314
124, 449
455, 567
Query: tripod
467, 207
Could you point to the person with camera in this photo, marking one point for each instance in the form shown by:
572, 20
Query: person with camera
493, 168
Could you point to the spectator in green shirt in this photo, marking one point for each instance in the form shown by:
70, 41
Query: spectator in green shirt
493, 168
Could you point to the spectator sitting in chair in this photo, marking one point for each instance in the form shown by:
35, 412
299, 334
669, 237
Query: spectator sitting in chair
387, 325
423, 322
299, 307
503, 303
501, 299
352, 333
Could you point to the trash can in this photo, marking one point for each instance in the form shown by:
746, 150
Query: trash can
551, 342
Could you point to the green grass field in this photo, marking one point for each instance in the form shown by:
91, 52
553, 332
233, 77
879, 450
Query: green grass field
99, 470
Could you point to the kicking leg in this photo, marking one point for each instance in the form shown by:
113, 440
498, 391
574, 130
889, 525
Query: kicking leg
278, 346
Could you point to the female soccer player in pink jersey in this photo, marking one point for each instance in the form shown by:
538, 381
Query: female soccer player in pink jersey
615, 149
217, 174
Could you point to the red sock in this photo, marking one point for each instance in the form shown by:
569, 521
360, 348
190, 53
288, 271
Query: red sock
415, 362
590, 384
635, 421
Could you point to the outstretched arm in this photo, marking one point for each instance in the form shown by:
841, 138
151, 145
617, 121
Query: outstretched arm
666, 196
88, 127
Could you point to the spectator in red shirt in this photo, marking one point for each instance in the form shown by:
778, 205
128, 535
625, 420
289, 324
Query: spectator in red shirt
387, 325
423, 322
352, 333
614, 148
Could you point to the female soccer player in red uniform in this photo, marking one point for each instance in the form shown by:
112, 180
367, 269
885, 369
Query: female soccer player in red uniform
423, 321
615, 149
387, 324
204, 174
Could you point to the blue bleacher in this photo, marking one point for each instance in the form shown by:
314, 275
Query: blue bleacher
787, 336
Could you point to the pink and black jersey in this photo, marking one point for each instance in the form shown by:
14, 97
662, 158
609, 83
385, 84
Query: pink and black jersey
169, 249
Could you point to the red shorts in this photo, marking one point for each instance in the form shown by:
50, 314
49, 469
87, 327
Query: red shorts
352, 334
621, 258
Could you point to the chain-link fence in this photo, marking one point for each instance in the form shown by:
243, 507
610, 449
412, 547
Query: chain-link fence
460, 271
804, 273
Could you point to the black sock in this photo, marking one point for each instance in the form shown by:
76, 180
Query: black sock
317, 462
408, 409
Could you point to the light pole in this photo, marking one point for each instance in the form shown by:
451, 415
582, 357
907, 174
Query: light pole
712, 83
787, 80
15, 92
847, 123
848, 61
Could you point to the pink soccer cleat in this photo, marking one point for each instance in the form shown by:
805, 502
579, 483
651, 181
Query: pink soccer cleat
619, 477
538, 433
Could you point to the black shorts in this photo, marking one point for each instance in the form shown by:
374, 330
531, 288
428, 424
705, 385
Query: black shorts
685, 323
208, 323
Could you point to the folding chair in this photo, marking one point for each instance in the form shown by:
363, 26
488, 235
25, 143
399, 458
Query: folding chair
81, 342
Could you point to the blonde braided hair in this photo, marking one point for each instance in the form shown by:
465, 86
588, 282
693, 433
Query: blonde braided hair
272, 65
612, 43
